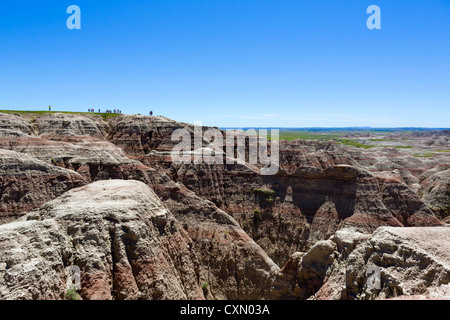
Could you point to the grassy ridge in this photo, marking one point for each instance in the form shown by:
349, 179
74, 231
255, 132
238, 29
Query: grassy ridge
22, 112
292, 135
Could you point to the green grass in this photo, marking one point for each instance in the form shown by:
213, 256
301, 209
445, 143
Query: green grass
382, 139
71, 294
256, 216
269, 200
107, 115
353, 143
442, 150
391, 146
424, 155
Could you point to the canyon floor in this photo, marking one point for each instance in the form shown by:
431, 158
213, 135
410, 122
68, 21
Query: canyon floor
102, 193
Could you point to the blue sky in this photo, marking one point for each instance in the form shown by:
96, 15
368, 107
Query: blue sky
279, 63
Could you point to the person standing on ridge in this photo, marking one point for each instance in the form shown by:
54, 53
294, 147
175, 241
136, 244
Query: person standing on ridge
49, 108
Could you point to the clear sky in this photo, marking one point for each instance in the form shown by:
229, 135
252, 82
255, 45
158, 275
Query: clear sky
279, 63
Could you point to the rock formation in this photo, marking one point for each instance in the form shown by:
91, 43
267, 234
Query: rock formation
128, 245
408, 263
103, 194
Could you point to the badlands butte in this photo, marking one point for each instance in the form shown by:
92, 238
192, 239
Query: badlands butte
102, 193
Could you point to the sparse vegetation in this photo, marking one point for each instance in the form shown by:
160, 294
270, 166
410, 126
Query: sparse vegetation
424, 155
293, 135
107, 115
72, 294
265, 192
264, 196
269, 200
256, 215
353, 143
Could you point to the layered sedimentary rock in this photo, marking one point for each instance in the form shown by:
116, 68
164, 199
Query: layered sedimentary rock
313, 154
414, 159
320, 188
435, 191
127, 244
76, 143
214, 234
227, 225
27, 183
397, 263
290, 212
138, 135
233, 265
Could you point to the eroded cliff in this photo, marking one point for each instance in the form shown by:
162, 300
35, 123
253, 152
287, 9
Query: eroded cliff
90, 191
